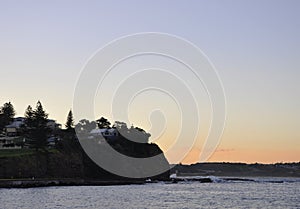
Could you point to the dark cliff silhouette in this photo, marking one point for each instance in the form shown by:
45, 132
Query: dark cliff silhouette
63, 157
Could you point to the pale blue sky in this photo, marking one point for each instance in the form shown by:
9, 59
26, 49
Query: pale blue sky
255, 46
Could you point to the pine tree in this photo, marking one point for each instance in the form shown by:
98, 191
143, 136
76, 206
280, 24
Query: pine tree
40, 117
29, 115
7, 113
8, 110
36, 131
70, 121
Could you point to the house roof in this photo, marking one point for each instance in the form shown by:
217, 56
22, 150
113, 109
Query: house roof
102, 130
15, 124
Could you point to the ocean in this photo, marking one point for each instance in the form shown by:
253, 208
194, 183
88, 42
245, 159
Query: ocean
235, 193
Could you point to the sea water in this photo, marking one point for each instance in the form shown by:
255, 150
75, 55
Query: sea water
260, 193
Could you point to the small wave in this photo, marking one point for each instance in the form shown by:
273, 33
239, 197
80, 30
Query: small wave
216, 179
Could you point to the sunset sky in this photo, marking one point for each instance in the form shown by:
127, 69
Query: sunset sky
254, 46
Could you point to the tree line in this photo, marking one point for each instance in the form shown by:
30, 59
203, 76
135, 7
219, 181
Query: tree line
35, 128
36, 131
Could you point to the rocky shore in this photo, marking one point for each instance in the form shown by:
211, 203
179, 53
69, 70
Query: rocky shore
28, 183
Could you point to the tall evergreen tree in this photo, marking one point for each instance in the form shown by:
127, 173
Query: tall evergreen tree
8, 110
70, 121
40, 117
7, 113
37, 131
29, 116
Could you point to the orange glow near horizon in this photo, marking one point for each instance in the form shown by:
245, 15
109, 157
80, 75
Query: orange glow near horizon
244, 156
256, 156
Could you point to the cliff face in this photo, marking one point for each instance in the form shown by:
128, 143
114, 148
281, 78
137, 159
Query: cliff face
91, 170
67, 163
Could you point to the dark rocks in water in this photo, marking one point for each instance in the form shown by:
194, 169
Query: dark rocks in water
238, 179
201, 180
205, 180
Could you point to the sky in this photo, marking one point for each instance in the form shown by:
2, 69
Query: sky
254, 46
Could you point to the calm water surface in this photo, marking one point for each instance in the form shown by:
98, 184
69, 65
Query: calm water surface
260, 194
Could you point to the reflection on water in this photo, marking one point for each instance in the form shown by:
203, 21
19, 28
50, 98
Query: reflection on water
257, 194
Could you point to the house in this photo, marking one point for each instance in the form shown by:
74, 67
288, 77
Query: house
52, 124
52, 140
13, 128
105, 132
8, 142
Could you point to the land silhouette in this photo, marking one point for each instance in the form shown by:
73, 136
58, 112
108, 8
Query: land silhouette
238, 169
35, 147
37, 151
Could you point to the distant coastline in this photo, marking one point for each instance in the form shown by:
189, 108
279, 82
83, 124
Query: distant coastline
238, 169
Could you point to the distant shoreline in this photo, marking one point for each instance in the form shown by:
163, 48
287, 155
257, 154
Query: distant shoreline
238, 170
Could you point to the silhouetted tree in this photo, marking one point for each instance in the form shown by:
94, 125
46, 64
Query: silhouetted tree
139, 135
70, 121
85, 126
120, 125
143, 132
40, 117
36, 129
7, 113
29, 116
3, 122
8, 110
134, 134
103, 123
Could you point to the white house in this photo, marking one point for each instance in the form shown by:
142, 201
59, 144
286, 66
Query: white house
12, 129
52, 124
106, 132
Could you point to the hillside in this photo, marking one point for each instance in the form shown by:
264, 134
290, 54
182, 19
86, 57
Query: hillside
238, 169
68, 160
